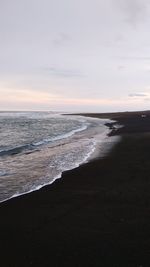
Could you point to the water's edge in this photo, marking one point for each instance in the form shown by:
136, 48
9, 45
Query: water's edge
100, 149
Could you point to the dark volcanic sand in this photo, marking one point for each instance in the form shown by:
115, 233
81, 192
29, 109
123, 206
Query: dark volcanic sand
96, 215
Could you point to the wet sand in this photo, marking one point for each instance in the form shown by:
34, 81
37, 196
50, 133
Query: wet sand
95, 215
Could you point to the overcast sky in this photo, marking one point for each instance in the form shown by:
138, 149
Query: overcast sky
75, 55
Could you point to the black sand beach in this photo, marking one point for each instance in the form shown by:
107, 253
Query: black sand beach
96, 215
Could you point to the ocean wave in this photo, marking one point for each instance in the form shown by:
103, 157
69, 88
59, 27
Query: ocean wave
45, 181
55, 154
32, 146
60, 137
14, 151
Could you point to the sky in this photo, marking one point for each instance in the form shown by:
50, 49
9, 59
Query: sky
75, 55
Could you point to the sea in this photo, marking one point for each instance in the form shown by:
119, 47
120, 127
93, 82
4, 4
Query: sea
37, 147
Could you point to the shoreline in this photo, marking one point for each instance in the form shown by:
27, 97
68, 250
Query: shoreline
92, 155
96, 215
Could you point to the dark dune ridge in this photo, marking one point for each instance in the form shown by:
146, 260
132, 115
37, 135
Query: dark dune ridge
96, 215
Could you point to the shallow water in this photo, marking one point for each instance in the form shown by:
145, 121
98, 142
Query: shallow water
36, 147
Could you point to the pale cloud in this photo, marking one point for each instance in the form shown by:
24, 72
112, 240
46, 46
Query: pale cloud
62, 72
134, 11
26, 96
62, 39
138, 95
136, 58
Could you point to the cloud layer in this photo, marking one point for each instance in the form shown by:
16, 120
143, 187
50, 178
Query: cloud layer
90, 55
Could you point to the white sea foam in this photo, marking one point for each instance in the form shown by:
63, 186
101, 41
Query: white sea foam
30, 172
60, 137
58, 176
